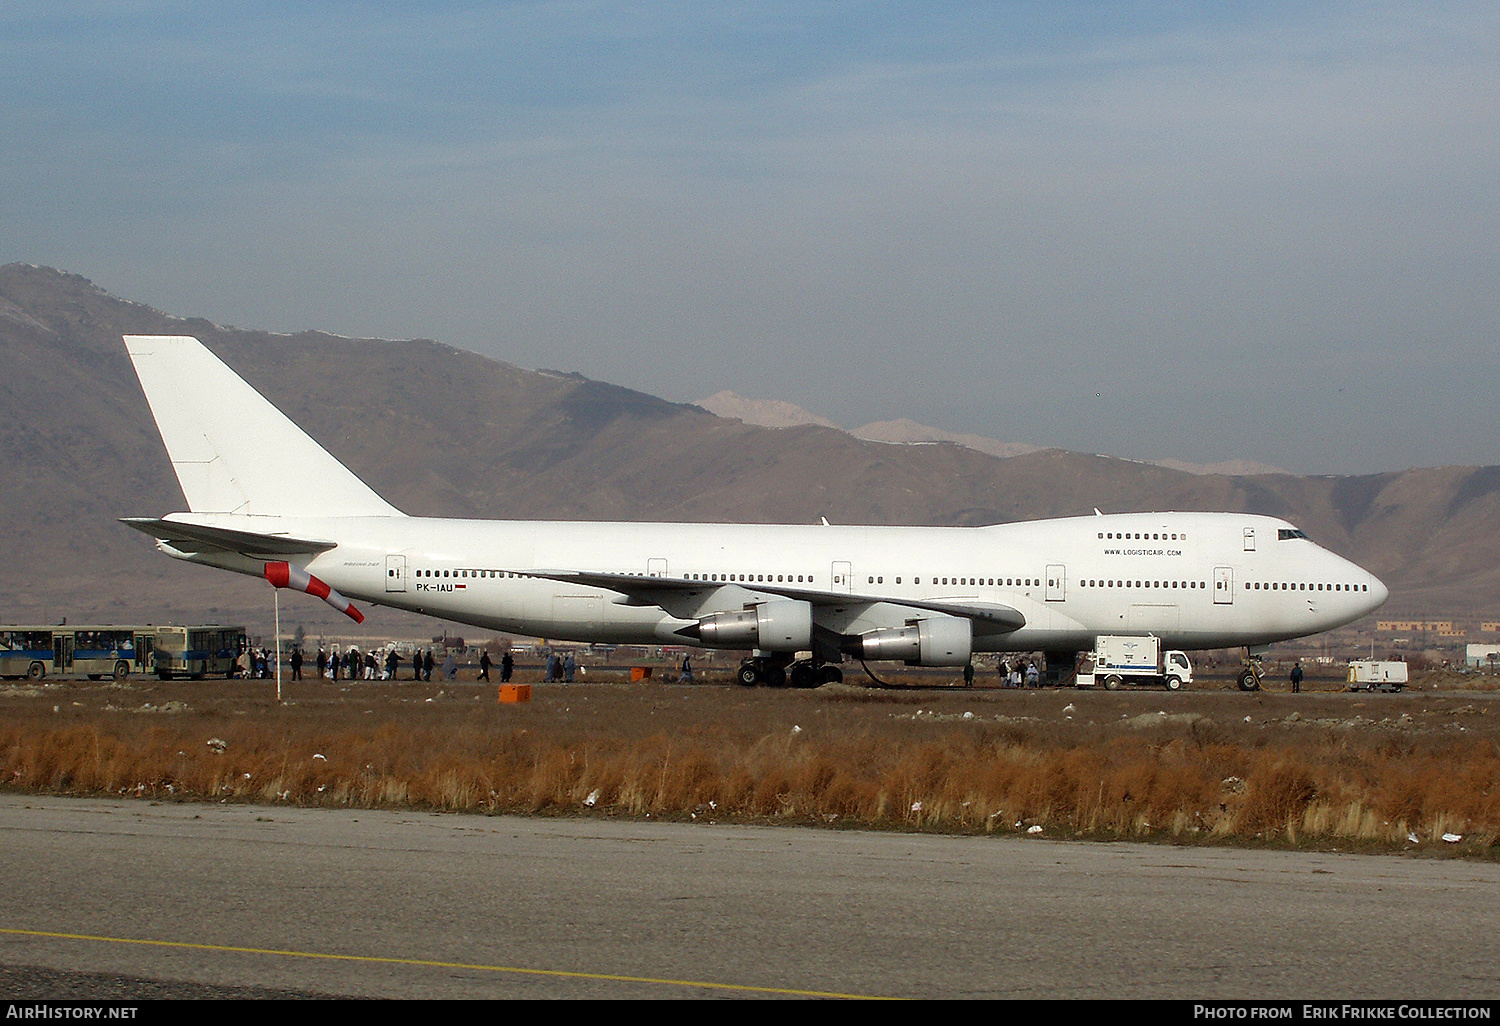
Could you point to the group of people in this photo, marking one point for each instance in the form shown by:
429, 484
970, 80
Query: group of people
349, 664
507, 666
560, 669
352, 664
259, 664
1021, 673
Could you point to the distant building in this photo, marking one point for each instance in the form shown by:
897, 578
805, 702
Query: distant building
1442, 628
1484, 657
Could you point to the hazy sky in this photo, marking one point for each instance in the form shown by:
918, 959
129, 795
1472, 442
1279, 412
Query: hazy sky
1200, 231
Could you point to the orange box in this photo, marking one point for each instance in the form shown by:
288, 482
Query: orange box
515, 692
639, 673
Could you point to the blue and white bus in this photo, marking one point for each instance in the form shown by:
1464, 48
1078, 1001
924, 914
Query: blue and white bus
36, 651
197, 651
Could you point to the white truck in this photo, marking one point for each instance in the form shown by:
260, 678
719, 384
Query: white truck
1122, 659
1374, 674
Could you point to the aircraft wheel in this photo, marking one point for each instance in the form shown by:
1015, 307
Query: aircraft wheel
775, 677
804, 675
1174, 683
122, 670
1112, 683
748, 675
830, 674
36, 671
1249, 681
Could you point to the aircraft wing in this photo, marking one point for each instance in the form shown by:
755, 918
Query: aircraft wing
677, 596
200, 537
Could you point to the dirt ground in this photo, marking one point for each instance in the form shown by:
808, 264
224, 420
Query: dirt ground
1415, 770
608, 703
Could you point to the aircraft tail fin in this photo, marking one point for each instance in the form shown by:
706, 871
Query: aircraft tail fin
233, 451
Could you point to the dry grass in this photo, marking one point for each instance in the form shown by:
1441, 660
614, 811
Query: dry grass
1325, 770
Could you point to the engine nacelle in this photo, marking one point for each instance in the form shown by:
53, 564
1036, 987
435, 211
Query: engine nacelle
940, 641
780, 625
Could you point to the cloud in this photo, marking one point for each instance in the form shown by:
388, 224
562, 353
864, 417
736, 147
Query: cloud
979, 216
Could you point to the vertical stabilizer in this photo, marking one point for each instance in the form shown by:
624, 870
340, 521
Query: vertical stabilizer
232, 450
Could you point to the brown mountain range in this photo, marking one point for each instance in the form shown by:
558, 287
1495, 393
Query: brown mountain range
440, 431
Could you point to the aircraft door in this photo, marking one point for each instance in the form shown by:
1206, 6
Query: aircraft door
656, 568
1057, 582
842, 578
395, 573
1224, 585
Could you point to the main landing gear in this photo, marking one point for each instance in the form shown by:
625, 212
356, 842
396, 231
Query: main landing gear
772, 672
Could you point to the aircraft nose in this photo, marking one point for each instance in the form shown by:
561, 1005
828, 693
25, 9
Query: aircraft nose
1378, 592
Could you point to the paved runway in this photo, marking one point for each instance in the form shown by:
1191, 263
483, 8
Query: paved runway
133, 899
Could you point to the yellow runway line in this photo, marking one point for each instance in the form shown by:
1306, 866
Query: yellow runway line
377, 960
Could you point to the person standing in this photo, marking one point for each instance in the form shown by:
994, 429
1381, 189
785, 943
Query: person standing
1297, 677
484, 665
296, 663
427, 664
507, 667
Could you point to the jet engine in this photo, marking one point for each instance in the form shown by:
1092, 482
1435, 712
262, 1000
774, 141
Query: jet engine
780, 625
939, 641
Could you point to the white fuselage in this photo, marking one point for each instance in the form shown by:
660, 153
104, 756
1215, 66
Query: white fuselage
1194, 580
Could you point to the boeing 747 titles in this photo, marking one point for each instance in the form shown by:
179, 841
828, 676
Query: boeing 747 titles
265, 499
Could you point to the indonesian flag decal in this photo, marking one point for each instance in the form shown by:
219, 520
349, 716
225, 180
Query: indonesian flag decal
284, 575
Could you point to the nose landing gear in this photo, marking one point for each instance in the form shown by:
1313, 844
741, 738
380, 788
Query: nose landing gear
1250, 676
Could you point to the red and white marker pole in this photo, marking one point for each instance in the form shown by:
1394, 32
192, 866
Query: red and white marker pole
284, 575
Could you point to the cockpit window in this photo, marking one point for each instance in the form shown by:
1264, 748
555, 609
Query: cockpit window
1289, 532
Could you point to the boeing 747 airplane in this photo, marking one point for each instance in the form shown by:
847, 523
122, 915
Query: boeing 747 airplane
802, 598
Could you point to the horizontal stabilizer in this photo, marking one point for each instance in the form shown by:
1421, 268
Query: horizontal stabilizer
249, 543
